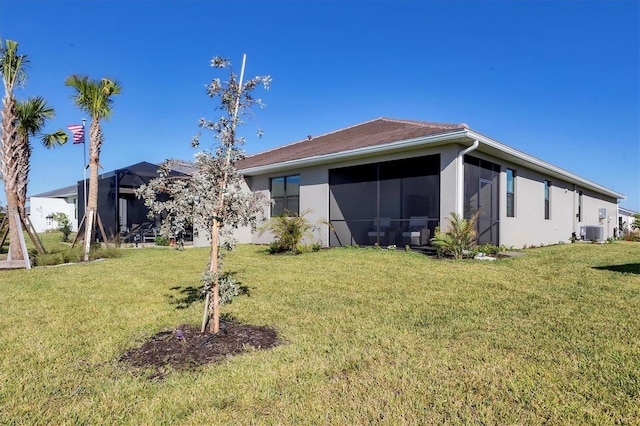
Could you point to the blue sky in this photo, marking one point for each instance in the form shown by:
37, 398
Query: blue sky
559, 80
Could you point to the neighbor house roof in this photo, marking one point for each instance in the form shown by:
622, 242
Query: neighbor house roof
131, 176
67, 191
384, 136
368, 134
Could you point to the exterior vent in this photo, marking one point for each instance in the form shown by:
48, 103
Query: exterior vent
592, 233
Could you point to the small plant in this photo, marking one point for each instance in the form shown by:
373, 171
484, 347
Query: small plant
161, 240
289, 230
407, 248
459, 239
64, 225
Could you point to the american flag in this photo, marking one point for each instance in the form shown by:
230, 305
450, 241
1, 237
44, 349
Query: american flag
78, 132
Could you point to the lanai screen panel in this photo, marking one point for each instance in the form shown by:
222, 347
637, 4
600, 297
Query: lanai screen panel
375, 203
481, 192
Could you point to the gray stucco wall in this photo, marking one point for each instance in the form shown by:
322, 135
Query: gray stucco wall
314, 194
528, 227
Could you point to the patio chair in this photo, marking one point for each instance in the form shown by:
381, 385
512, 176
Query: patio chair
418, 233
380, 232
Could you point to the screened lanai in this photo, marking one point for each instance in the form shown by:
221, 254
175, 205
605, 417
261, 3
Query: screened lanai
392, 202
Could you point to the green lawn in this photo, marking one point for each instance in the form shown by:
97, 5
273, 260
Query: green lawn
371, 336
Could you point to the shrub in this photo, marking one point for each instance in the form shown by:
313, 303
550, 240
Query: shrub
161, 240
459, 239
289, 229
64, 225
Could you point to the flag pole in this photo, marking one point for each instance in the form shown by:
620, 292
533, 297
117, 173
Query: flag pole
84, 165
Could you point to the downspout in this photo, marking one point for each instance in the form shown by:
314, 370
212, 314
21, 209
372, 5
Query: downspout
460, 176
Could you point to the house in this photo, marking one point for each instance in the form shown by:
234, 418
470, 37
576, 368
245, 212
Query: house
626, 218
120, 210
43, 206
391, 181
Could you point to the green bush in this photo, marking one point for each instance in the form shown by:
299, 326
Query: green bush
459, 239
161, 240
488, 249
289, 229
47, 259
64, 225
73, 255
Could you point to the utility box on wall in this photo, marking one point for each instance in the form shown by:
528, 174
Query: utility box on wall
602, 214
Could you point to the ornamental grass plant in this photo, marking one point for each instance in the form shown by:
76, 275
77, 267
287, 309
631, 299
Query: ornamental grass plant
369, 337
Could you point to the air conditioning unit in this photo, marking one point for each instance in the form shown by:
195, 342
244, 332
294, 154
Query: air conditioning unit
592, 233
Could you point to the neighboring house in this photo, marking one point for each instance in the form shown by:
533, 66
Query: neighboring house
118, 206
394, 181
43, 206
626, 217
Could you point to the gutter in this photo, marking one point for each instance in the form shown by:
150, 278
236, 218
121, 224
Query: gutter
460, 176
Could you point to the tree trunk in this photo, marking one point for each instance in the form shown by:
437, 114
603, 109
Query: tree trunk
15, 248
92, 199
10, 169
214, 310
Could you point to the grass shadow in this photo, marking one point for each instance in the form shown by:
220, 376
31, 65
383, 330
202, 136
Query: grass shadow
627, 268
186, 296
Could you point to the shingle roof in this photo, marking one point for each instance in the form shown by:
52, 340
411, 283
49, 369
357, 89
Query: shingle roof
67, 191
371, 133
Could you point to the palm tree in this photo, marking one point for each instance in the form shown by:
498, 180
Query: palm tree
459, 238
94, 98
12, 66
32, 116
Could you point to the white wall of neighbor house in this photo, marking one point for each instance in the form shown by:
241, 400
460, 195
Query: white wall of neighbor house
41, 209
626, 217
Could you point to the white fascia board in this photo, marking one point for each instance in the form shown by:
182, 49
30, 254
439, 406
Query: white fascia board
353, 153
529, 161
501, 151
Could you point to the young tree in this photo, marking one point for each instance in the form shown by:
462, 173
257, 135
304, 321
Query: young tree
212, 198
12, 66
94, 98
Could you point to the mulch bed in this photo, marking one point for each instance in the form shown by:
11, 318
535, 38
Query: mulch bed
185, 348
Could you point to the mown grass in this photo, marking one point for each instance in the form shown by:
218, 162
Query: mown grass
371, 336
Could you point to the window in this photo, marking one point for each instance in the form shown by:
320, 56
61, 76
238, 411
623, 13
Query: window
511, 193
547, 206
285, 195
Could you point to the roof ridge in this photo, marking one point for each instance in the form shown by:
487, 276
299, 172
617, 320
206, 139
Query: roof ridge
312, 137
431, 124
427, 124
